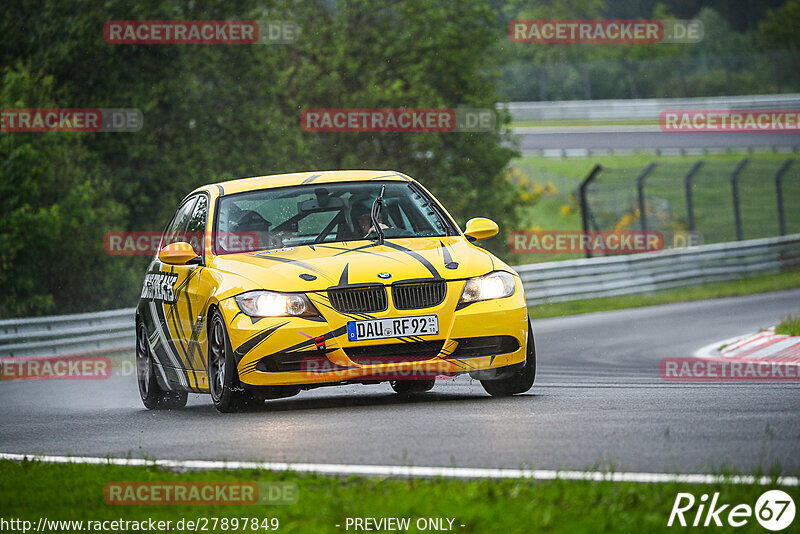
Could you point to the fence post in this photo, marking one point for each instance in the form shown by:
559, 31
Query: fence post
587, 81
687, 182
737, 214
584, 204
779, 194
640, 189
542, 83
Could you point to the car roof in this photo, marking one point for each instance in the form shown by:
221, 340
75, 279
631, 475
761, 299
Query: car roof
301, 178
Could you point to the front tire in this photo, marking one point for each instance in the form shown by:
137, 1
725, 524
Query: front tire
522, 379
223, 378
152, 395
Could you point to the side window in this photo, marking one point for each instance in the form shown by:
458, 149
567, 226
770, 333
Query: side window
177, 228
195, 231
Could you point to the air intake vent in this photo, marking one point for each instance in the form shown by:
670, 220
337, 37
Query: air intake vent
473, 347
418, 295
394, 352
359, 300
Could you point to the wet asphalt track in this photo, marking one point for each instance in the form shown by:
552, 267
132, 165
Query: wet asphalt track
598, 402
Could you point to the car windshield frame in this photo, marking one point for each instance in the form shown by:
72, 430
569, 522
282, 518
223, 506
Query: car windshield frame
449, 227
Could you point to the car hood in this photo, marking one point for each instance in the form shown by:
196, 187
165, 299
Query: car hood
318, 267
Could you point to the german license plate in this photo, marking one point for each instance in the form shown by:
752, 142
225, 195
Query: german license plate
419, 325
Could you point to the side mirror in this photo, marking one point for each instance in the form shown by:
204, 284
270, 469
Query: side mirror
480, 228
179, 253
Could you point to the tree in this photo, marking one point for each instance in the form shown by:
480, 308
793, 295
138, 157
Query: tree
779, 29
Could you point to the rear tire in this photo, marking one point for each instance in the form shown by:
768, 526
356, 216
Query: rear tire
522, 379
223, 378
405, 387
152, 395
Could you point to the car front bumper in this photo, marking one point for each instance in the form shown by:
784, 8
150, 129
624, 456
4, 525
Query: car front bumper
298, 351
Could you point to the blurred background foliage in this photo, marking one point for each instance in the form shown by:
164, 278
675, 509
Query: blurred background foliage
217, 112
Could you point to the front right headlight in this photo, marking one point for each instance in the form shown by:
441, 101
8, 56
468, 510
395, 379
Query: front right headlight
273, 304
496, 285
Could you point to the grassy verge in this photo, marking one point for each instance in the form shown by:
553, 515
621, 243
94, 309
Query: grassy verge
551, 202
578, 168
790, 326
32, 490
748, 286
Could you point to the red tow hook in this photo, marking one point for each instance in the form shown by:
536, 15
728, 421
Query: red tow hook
320, 342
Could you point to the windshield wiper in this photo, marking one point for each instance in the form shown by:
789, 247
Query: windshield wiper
377, 206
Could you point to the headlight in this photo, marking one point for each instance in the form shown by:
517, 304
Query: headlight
494, 285
271, 304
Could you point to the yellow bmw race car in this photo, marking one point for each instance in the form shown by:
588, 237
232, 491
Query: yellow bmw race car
266, 286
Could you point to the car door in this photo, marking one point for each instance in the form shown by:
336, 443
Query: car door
164, 306
186, 317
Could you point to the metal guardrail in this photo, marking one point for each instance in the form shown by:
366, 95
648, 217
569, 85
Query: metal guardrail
642, 109
643, 273
61, 335
544, 282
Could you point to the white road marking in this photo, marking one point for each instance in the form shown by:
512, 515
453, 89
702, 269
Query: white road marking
413, 471
710, 350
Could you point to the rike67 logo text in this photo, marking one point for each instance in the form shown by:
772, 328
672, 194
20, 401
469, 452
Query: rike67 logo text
774, 510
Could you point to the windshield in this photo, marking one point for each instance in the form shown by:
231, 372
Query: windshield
312, 214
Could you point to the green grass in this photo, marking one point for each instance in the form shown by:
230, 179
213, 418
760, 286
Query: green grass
31, 490
747, 286
790, 326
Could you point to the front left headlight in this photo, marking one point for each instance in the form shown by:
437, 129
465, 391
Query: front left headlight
494, 285
273, 304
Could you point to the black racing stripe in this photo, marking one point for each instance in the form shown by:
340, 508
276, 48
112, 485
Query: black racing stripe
311, 178
251, 343
298, 263
175, 316
307, 343
349, 316
173, 306
417, 257
161, 317
445, 253
364, 249
192, 344
220, 189
343, 277
447, 258
446, 351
